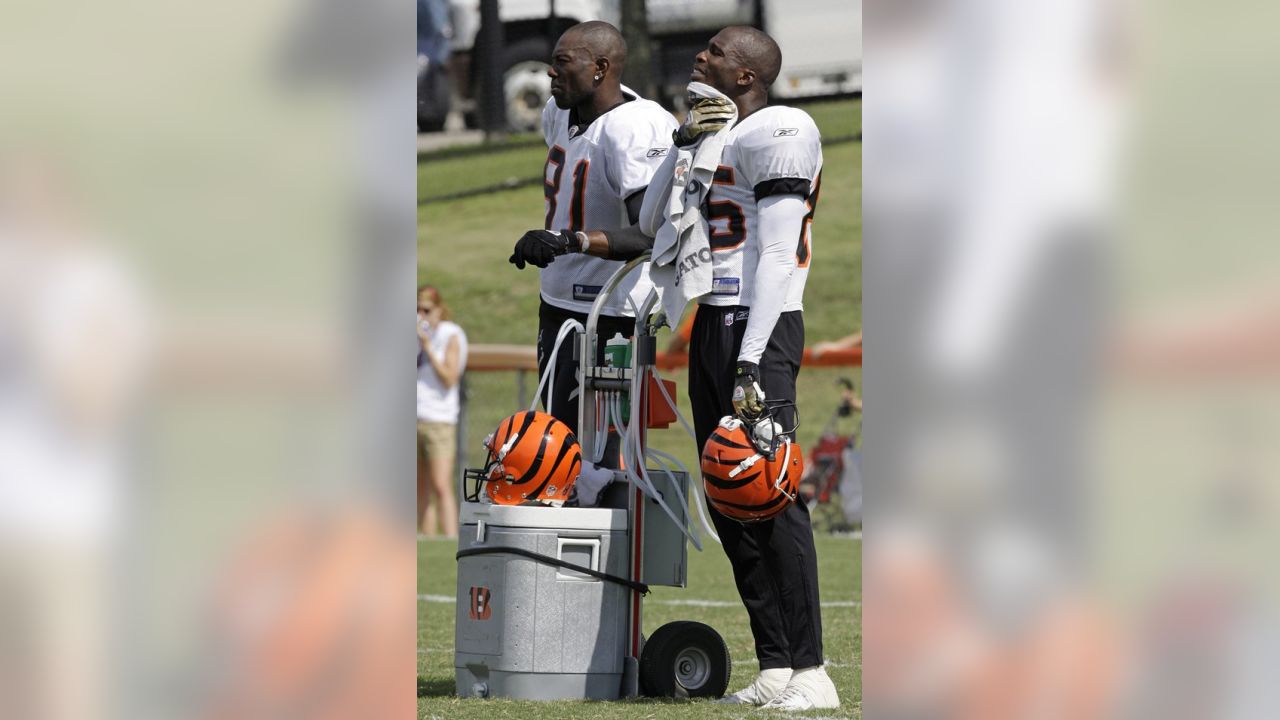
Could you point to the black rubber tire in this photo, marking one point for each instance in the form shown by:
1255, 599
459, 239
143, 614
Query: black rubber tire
433, 100
530, 49
685, 659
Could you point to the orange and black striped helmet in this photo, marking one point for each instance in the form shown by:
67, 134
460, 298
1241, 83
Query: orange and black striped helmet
532, 458
744, 483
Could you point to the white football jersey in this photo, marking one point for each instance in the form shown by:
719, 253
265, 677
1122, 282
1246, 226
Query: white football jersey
775, 150
589, 175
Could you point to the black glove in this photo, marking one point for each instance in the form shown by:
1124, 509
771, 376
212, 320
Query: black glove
706, 115
748, 396
540, 247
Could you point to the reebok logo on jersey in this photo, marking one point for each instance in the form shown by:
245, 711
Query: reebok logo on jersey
786, 132
586, 293
657, 152
725, 285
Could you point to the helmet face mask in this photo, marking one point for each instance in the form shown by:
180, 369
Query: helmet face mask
767, 433
531, 458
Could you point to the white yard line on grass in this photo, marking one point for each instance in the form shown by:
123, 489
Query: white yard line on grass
682, 603
748, 661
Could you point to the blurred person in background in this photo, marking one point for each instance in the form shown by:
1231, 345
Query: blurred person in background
74, 345
433, 38
306, 619
442, 359
848, 342
433, 56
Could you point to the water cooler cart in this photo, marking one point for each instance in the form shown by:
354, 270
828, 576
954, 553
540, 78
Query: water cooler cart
550, 600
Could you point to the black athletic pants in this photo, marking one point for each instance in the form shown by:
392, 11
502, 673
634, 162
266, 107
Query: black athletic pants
564, 406
775, 565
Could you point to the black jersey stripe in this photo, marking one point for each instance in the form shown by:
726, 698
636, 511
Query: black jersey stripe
782, 186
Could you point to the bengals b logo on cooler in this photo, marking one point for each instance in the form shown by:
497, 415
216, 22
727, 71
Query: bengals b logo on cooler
480, 607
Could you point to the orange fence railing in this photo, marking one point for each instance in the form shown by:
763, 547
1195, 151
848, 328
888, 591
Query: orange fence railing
496, 358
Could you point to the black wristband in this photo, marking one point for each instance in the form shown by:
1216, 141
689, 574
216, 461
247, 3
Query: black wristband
570, 242
628, 243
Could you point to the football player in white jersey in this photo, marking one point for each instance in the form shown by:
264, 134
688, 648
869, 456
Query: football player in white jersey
748, 339
604, 145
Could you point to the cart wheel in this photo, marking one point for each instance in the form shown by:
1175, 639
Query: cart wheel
685, 659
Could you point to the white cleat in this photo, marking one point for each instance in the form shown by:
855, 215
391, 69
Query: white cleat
764, 688
808, 689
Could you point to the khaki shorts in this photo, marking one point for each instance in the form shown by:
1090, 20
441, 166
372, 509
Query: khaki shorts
437, 440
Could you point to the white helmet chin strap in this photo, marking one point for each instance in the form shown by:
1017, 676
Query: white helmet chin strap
496, 469
786, 462
782, 477
744, 465
506, 446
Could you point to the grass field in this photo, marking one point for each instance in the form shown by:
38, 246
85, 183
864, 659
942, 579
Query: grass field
710, 585
463, 247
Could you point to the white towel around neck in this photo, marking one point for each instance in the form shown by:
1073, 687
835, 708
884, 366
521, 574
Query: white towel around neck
681, 265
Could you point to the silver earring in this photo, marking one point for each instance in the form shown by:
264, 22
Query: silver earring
598, 77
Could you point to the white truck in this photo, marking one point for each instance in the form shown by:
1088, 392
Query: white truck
821, 43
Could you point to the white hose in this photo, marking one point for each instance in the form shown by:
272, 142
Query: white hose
634, 454
672, 404
697, 490
601, 429
548, 375
697, 487
640, 478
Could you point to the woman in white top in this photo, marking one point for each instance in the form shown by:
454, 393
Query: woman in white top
442, 356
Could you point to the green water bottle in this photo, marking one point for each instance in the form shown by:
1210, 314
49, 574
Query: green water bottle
617, 352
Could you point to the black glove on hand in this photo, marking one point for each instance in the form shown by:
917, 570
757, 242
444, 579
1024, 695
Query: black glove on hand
748, 396
540, 247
